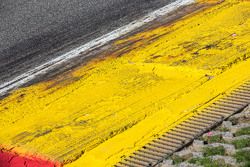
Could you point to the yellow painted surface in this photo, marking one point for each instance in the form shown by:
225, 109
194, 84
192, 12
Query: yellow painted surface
113, 150
111, 107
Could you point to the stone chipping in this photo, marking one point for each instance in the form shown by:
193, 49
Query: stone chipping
228, 145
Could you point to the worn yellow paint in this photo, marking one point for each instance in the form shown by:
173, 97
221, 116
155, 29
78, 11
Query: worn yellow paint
110, 107
113, 150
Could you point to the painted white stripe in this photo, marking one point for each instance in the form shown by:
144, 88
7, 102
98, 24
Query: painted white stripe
98, 42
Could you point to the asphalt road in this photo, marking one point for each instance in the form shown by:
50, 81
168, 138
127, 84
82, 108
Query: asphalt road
33, 32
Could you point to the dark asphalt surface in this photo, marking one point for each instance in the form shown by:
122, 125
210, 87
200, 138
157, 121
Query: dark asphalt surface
33, 32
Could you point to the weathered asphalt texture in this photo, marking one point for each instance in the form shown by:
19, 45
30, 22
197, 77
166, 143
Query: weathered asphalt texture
33, 32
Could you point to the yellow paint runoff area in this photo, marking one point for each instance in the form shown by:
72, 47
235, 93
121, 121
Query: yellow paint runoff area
61, 123
113, 150
111, 107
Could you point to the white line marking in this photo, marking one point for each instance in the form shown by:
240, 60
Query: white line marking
98, 42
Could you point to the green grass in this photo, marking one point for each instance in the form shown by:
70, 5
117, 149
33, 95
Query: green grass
177, 159
223, 129
200, 161
242, 143
243, 131
210, 151
214, 139
206, 162
243, 157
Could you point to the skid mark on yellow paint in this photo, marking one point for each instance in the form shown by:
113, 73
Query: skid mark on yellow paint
174, 69
208, 41
171, 114
76, 117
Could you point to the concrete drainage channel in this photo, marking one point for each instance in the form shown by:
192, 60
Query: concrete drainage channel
182, 135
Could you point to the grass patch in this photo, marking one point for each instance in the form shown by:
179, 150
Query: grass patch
177, 160
242, 143
223, 129
206, 162
210, 151
200, 161
243, 131
214, 139
243, 157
